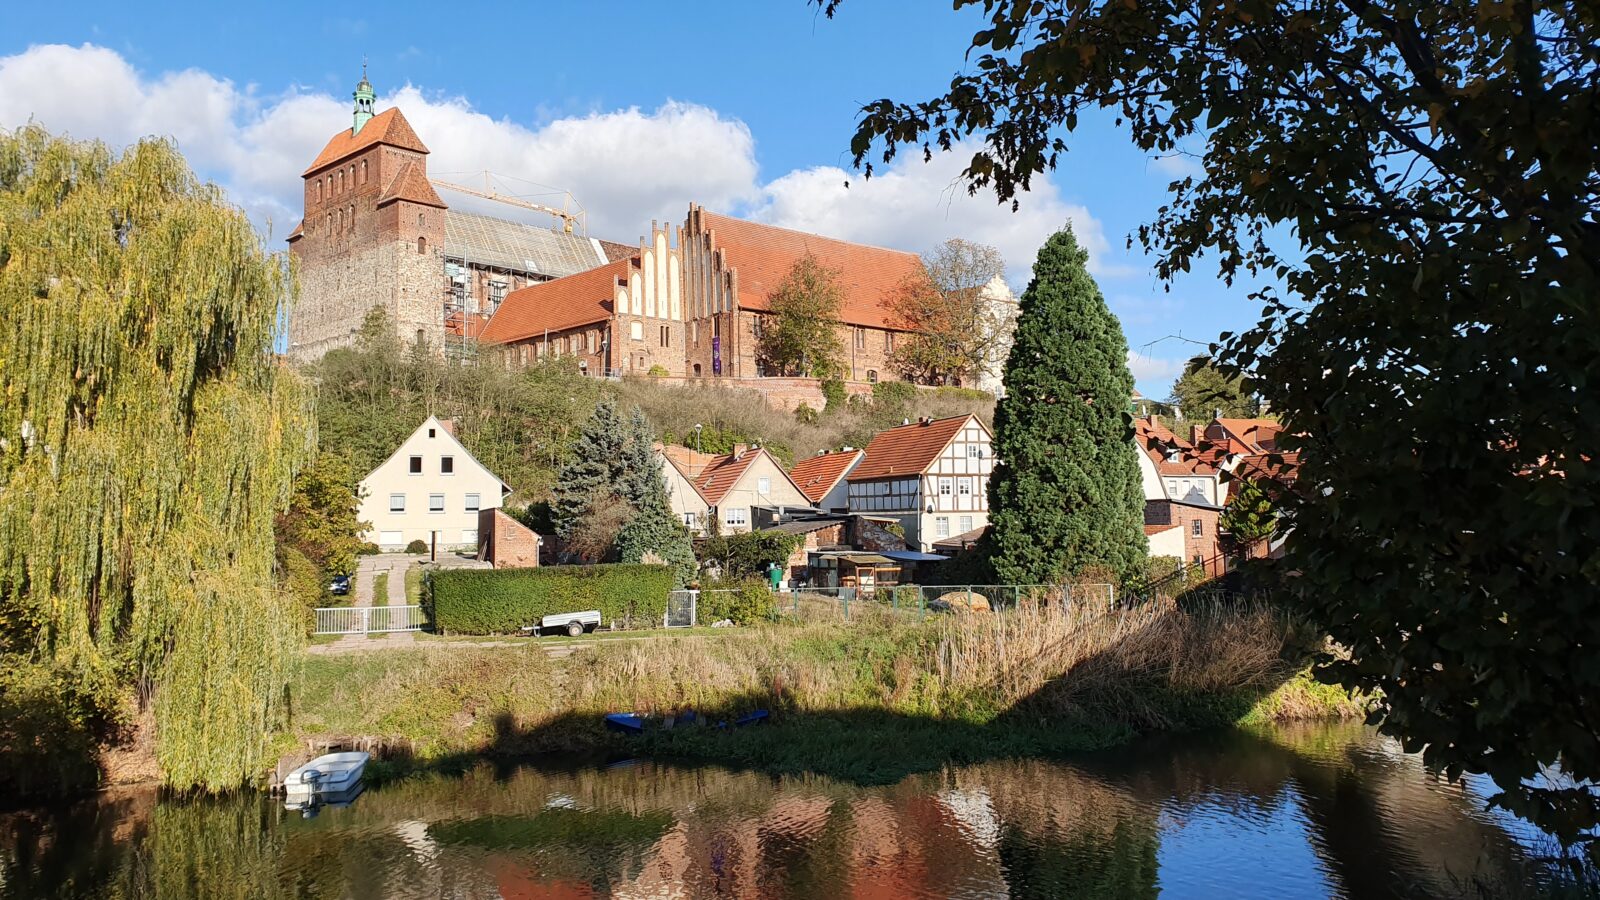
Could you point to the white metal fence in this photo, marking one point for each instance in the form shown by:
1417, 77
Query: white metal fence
368, 619
682, 607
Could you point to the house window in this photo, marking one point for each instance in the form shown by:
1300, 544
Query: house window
974, 451
432, 432
872, 376
966, 524
888, 341
941, 526
763, 485
416, 464
636, 330
666, 335
964, 487
436, 503
472, 503
422, 245
397, 503
736, 516
861, 339
469, 535
447, 465
688, 519
497, 293
1197, 529
945, 486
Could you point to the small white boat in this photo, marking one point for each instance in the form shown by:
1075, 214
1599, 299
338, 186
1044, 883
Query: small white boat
326, 777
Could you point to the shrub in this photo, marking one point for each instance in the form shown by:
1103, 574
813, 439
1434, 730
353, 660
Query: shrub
894, 395
417, 546
658, 371
748, 554
53, 722
833, 393
369, 549
744, 602
501, 601
805, 415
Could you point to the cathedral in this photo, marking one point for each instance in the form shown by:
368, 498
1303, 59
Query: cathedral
376, 234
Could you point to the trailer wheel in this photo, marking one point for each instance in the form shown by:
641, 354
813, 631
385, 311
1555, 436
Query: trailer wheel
574, 629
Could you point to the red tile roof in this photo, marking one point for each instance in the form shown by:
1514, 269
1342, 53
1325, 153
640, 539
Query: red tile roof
570, 302
1280, 469
763, 254
1255, 435
298, 232
1155, 440
817, 475
388, 127
1157, 529
908, 449
411, 184
718, 478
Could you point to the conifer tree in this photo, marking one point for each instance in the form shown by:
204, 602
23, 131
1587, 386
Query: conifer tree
593, 468
1065, 495
148, 437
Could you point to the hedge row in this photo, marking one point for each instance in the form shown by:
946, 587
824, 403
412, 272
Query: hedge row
502, 601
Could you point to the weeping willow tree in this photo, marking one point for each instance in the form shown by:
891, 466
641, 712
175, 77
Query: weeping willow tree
147, 437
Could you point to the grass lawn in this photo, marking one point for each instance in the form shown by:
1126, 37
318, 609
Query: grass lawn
413, 585
380, 597
700, 631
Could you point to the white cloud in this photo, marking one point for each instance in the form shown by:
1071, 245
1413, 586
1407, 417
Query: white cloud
914, 205
1177, 165
626, 167
1153, 369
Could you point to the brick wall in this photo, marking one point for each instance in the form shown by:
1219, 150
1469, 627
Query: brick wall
505, 543
1200, 546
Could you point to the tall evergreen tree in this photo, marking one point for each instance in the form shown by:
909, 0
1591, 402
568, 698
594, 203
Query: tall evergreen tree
1065, 495
593, 468
640, 472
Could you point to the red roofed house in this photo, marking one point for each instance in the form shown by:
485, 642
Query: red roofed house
1172, 468
822, 477
1244, 436
726, 488
932, 475
376, 234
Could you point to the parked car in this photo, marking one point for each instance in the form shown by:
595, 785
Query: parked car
340, 585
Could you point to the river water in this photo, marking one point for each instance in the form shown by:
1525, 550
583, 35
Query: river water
1325, 810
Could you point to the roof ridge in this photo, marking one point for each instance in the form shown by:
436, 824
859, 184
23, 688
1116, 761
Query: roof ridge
809, 233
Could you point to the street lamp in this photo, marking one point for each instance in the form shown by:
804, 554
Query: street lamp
697, 427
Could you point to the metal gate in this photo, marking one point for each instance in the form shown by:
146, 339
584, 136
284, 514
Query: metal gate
681, 607
368, 619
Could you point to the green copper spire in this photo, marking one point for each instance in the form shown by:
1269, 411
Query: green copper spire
364, 98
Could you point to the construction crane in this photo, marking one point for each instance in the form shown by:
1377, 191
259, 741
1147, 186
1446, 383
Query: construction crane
568, 219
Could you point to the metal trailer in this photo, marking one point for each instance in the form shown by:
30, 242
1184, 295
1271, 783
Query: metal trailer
574, 624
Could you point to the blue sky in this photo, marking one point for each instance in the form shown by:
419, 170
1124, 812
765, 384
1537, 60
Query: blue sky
636, 109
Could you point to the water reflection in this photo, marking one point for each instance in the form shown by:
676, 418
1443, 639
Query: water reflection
1312, 811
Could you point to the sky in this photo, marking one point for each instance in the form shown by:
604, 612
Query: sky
634, 109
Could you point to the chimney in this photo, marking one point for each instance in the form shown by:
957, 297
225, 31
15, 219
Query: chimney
449, 426
925, 421
739, 450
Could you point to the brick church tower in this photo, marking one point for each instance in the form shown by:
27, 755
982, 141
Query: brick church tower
372, 236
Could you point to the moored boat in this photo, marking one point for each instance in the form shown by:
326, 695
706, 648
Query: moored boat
334, 774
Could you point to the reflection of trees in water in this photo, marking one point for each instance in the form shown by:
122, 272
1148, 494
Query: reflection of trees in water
1037, 828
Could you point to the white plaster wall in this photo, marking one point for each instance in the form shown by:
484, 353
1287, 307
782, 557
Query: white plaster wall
456, 526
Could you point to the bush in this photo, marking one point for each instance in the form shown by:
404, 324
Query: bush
53, 722
658, 371
805, 415
833, 393
747, 555
502, 601
417, 546
369, 549
744, 602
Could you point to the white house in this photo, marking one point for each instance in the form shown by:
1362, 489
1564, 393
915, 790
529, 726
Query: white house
931, 475
728, 487
430, 490
1171, 468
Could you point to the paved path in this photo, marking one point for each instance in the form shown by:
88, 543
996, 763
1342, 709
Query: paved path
368, 568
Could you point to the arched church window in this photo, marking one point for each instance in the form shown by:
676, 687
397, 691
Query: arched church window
352, 217
363, 171
422, 245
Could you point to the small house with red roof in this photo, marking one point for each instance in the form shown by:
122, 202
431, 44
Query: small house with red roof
1172, 468
932, 476
731, 490
823, 478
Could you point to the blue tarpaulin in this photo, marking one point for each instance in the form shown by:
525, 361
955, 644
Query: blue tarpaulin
912, 556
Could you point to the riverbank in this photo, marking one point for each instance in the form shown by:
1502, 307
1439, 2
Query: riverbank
869, 701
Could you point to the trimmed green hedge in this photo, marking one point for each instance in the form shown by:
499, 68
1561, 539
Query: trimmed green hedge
501, 601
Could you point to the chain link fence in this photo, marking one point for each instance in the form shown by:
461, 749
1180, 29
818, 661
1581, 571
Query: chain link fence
916, 601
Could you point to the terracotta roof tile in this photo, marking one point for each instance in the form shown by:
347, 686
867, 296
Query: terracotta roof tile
615, 251
1155, 441
763, 254
908, 449
412, 185
388, 127
298, 232
1157, 529
817, 475
1254, 435
570, 302
721, 475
